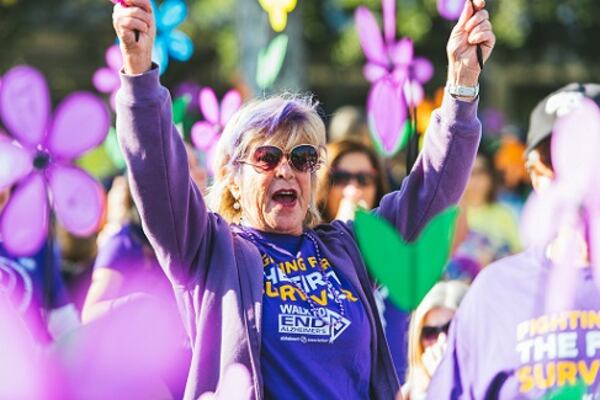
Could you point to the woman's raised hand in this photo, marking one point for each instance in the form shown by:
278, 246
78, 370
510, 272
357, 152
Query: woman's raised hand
472, 29
128, 17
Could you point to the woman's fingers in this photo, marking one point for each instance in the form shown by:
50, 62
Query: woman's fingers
479, 4
135, 12
143, 4
134, 24
476, 20
466, 14
482, 35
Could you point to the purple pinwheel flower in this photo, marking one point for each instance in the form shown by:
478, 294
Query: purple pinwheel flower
450, 9
205, 134
395, 74
39, 161
106, 79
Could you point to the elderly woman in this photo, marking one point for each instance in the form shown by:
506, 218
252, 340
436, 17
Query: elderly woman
258, 281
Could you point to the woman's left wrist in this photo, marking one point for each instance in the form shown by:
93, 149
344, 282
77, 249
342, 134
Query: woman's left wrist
462, 75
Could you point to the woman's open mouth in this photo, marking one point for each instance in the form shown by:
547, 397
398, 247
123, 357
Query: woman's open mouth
285, 197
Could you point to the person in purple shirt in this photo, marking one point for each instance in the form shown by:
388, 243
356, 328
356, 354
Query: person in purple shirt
125, 263
258, 280
504, 343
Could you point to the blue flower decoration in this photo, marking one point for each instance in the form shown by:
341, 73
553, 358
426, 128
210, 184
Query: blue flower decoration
170, 42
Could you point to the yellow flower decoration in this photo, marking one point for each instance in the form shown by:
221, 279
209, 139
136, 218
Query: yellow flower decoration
278, 11
425, 109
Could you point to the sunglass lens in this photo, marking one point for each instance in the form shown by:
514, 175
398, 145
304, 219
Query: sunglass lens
363, 179
267, 157
304, 158
341, 178
429, 333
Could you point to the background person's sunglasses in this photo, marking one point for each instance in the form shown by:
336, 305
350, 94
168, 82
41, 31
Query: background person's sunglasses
432, 332
303, 158
343, 178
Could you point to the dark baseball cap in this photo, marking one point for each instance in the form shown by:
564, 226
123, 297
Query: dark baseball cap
555, 105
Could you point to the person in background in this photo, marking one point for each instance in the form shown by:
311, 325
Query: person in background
77, 261
354, 177
125, 270
428, 333
505, 342
349, 123
35, 288
514, 180
486, 229
125, 263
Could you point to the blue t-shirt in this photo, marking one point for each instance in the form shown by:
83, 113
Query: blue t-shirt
305, 356
129, 253
34, 286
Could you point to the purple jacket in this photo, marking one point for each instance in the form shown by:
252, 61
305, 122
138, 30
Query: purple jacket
217, 275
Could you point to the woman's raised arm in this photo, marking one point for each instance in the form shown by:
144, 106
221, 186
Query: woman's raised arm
174, 215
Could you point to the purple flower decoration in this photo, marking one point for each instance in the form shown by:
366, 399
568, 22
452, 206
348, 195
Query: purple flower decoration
570, 205
106, 79
395, 73
205, 134
450, 9
40, 160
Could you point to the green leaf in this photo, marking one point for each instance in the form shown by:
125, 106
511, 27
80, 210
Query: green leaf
270, 61
408, 270
571, 392
180, 105
97, 163
111, 144
401, 144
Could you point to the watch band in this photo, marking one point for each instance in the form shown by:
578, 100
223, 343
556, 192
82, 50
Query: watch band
462, 91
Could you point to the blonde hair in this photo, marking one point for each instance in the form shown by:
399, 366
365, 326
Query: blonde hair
446, 294
286, 119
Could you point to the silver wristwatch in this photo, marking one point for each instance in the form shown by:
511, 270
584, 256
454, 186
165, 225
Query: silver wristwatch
462, 91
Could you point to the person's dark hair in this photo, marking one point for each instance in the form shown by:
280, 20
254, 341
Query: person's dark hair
490, 170
544, 150
335, 151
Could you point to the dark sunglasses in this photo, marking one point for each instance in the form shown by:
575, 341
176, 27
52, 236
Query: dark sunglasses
431, 333
303, 158
343, 178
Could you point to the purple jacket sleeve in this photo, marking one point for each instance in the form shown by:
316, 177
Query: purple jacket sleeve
441, 171
174, 214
